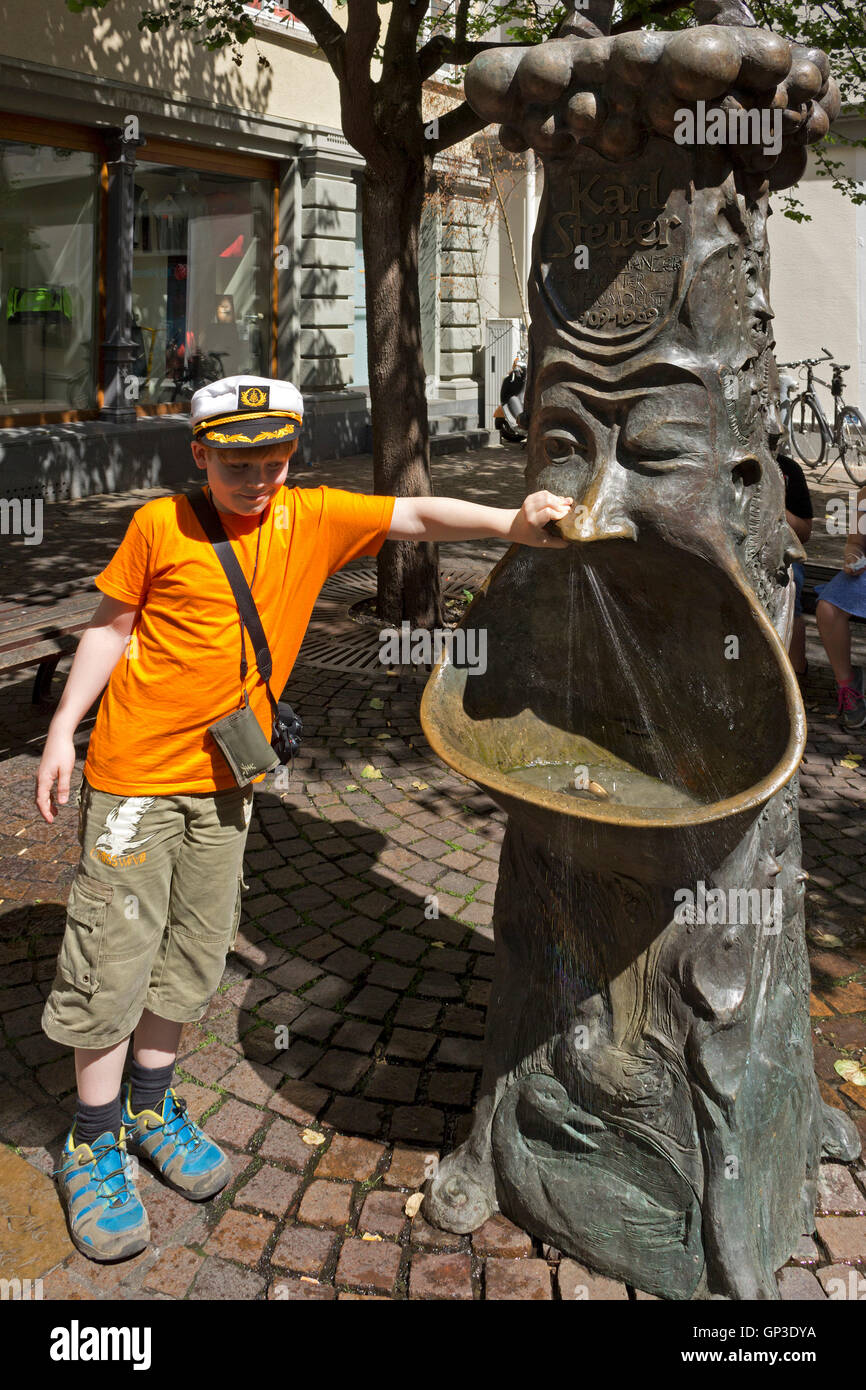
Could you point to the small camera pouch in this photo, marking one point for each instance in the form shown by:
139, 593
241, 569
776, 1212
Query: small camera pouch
245, 748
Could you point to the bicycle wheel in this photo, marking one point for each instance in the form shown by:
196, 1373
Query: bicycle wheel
852, 445
805, 432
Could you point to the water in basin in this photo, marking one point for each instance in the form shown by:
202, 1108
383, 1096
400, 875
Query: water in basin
604, 780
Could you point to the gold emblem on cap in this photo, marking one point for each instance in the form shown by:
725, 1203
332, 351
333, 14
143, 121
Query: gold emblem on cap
253, 396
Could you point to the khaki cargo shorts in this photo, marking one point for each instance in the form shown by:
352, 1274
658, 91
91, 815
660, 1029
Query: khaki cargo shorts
152, 913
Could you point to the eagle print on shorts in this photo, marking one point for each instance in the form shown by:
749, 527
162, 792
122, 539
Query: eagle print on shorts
116, 843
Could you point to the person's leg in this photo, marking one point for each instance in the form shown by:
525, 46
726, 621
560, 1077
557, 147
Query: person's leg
797, 649
834, 626
98, 1073
202, 922
154, 1053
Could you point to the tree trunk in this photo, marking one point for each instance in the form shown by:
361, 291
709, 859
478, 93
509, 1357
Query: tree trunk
408, 571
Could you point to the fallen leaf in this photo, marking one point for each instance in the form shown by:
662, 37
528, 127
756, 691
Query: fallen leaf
391, 672
849, 762
384, 735
312, 1137
413, 1204
852, 1071
352, 787
306, 1279
421, 786
467, 593
825, 938
350, 740
370, 773
439, 944
368, 1236
376, 703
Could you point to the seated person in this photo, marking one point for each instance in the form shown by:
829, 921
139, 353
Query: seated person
799, 515
845, 595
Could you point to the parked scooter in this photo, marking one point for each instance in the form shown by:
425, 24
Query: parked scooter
508, 414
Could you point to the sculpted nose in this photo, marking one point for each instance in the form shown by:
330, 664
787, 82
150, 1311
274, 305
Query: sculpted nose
601, 514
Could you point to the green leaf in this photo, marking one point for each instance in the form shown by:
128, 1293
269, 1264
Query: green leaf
376, 703
852, 1071
352, 787
370, 773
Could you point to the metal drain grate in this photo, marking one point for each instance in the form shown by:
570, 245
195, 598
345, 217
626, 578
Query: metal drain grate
359, 650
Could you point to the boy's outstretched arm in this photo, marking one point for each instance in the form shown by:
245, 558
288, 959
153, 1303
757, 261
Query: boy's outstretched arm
450, 519
98, 653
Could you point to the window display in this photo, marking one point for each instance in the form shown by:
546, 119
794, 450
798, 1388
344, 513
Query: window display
47, 300
202, 279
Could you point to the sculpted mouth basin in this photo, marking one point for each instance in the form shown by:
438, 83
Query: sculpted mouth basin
629, 688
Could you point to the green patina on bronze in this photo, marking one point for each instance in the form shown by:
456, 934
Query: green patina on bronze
648, 1103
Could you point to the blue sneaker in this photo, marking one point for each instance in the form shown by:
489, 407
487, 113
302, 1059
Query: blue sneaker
182, 1155
97, 1185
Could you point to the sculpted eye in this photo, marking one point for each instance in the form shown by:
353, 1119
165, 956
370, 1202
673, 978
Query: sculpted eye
561, 445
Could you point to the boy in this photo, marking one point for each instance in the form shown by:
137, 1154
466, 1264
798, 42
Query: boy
155, 904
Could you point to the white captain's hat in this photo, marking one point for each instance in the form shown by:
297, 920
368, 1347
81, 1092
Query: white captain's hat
245, 411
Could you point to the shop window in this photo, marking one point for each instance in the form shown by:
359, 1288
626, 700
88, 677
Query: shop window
48, 202
203, 263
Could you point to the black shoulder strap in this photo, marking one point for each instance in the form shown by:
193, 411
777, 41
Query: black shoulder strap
208, 518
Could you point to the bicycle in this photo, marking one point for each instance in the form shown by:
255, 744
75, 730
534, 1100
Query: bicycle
808, 430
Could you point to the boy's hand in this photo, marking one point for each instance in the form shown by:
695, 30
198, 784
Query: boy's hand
57, 763
538, 509
853, 556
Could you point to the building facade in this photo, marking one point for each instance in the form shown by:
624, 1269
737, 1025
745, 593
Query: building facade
221, 203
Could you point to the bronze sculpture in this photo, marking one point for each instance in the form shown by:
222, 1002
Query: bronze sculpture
648, 1102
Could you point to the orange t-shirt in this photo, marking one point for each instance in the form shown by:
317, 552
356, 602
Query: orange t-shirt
181, 669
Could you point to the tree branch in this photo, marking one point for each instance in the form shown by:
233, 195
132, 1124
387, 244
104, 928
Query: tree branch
456, 125
325, 30
443, 49
658, 10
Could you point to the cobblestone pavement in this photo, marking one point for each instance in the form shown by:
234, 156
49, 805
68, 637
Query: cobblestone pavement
381, 1003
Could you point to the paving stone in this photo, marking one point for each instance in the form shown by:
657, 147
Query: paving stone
217, 1279
369, 1264
410, 1045
393, 1083
255, 1083
283, 1144
451, 1087
240, 1236
34, 1234
441, 1277
303, 1250
797, 1284
460, 1052
299, 1101
339, 1071
304, 1289
383, 1213
843, 1236
235, 1124
295, 1060
316, 1022
501, 1237
326, 1204
349, 1157
371, 1002
327, 992
401, 945
843, 1282
410, 1167
363, 1116
361, 1037
513, 1279
348, 963
577, 1282
838, 1193
173, 1272
270, 1190
294, 973
390, 976
418, 1124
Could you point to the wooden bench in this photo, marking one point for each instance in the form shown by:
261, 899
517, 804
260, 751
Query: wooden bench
40, 635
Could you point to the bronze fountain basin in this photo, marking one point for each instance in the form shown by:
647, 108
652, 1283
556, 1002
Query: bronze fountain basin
704, 699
